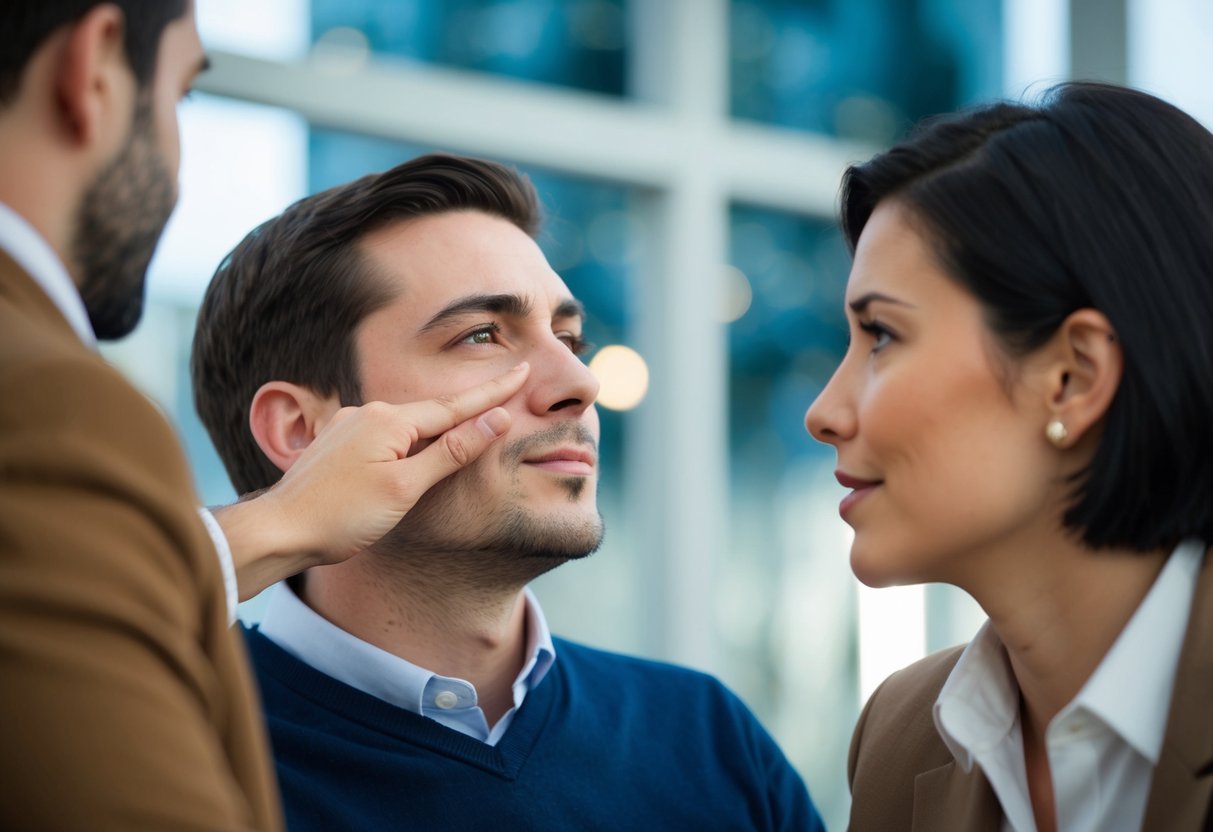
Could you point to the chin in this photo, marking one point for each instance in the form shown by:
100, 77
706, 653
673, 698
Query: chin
872, 571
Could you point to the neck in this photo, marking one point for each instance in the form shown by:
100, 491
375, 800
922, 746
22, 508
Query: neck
41, 185
1058, 611
441, 615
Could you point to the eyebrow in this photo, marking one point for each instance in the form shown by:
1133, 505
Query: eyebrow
514, 306
570, 308
862, 302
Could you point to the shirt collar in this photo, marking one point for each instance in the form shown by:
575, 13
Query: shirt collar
309, 637
979, 703
1130, 689
34, 254
540, 650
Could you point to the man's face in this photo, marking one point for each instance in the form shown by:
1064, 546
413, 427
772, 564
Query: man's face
126, 207
475, 297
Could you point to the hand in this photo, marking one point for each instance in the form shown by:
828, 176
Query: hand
363, 471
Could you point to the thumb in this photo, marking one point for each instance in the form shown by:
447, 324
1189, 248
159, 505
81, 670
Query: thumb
457, 447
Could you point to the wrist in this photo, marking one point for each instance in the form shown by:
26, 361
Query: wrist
264, 542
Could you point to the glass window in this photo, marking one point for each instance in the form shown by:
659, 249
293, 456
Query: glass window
861, 69
786, 609
572, 43
270, 29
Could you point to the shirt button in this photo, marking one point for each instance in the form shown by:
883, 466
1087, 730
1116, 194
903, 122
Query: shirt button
446, 700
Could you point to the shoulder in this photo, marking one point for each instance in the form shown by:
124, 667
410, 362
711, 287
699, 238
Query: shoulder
64, 409
660, 706
914, 688
677, 699
78, 441
584, 664
896, 739
900, 712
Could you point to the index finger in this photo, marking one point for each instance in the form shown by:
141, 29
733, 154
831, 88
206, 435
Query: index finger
432, 417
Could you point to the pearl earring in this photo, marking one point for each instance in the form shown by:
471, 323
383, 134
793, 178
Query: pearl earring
1056, 432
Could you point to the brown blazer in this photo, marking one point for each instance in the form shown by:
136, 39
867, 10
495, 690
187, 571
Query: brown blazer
903, 776
125, 698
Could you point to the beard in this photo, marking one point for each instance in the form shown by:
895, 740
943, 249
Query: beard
119, 223
508, 543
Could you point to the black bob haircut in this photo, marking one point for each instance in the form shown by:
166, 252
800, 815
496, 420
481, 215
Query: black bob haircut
1099, 197
26, 24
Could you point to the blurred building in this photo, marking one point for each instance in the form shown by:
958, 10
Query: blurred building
688, 154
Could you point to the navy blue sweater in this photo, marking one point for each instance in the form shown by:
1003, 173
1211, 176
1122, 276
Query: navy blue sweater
603, 742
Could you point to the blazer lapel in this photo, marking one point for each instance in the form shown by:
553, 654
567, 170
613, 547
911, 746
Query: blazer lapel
1181, 794
949, 798
21, 290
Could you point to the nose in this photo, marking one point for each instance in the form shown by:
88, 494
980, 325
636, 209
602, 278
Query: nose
831, 418
559, 380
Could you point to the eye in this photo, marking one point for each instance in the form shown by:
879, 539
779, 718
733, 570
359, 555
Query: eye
881, 335
486, 334
575, 342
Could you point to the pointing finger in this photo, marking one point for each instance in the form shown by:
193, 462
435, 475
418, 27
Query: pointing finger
434, 416
456, 448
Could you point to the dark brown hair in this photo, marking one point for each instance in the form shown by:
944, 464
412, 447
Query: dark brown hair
284, 304
26, 24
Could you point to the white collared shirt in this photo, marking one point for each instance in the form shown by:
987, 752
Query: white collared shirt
22, 242
1104, 744
34, 254
309, 637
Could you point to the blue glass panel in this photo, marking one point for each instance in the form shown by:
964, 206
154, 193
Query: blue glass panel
783, 349
573, 43
861, 69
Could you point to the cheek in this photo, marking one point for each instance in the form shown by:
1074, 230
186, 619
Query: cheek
950, 444
960, 464
168, 134
904, 418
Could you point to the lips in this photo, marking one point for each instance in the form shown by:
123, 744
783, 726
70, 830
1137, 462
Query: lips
574, 462
847, 481
861, 489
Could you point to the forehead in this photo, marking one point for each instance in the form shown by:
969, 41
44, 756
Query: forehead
893, 253
180, 55
435, 259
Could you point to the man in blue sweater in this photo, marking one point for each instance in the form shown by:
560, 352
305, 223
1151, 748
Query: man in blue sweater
416, 685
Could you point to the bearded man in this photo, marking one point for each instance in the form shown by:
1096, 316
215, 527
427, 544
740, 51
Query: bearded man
126, 695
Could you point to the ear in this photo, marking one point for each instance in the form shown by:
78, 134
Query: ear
94, 86
1084, 374
285, 418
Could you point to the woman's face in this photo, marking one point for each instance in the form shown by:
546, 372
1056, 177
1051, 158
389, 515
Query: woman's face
939, 438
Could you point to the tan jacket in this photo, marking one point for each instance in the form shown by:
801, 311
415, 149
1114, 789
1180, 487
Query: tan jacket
125, 698
903, 776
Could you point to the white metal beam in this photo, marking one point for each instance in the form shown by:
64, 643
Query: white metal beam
632, 142
683, 500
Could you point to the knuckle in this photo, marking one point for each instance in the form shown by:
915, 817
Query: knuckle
456, 448
448, 403
403, 494
376, 409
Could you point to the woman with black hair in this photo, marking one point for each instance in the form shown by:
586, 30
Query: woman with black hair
1026, 411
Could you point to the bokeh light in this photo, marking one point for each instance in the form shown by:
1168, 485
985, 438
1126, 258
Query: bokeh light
623, 374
